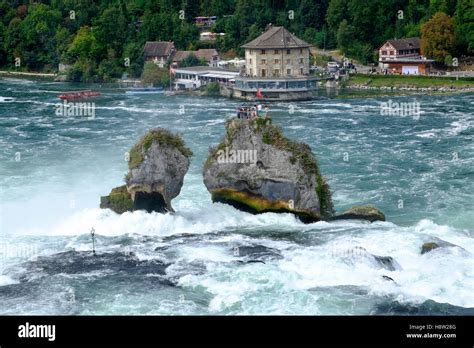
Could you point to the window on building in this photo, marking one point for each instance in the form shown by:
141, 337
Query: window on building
276, 52
288, 51
301, 51
301, 71
250, 60
301, 60
277, 61
288, 61
391, 53
384, 53
288, 71
263, 61
276, 72
264, 72
251, 71
263, 51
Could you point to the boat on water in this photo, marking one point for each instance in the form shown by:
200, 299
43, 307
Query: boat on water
144, 90
78, 95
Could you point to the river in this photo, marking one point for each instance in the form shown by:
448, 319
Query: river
418, 170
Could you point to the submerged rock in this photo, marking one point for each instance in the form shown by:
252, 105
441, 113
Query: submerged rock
427, 247
360, 254
429, 307
384, 277
256, 169
79, 262
387, 262
436, 243
256, 253
157, 165
361, 212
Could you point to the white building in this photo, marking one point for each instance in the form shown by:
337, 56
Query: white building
197, 76
209, 36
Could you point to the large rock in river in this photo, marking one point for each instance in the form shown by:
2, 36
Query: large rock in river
157, 165
361, 212
257, 169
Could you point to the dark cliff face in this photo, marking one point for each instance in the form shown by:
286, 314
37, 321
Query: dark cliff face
158, 163
257, 169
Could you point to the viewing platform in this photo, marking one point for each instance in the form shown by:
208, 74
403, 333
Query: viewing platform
287, 88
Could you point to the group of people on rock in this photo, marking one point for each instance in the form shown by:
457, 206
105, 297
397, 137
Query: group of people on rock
251, 112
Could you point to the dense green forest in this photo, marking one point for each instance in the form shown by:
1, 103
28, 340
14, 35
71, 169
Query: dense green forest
104, 39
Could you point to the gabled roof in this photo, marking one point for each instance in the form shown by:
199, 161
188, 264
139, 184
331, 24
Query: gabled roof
276, 37
158, 48
206, 53
405, 44
202, 53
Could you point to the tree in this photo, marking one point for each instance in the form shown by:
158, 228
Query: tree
42, 33
156, 76
213, 89
37, 33
134, 52
83, 46
245, 14
335, 14
345, 35
437, 6
110, 30
63, 40
3, 53
312, 13
192, 60
437, 37
464, 22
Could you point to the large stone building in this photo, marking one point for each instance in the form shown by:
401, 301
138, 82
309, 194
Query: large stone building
277, 53
277, 68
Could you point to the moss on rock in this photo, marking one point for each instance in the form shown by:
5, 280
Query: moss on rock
361, 212
325, 197
119, 200
258, 205
427, 247
161, 136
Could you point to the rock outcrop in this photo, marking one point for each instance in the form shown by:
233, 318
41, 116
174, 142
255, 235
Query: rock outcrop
436, 243
157, 165
361, 212
256, 169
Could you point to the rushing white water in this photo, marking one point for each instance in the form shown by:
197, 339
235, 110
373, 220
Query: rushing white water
210, 258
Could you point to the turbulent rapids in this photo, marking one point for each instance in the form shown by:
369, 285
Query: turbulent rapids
210, 258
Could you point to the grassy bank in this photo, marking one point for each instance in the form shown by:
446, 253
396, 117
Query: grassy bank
408, 81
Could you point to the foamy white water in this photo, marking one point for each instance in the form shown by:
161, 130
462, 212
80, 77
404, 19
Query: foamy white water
210, 258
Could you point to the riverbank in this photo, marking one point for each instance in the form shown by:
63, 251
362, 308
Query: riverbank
410, 83
26, 74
